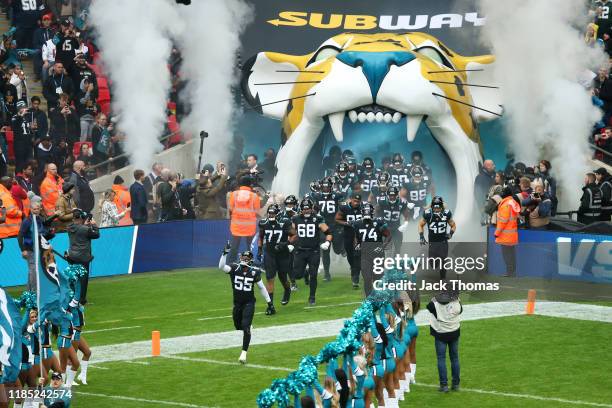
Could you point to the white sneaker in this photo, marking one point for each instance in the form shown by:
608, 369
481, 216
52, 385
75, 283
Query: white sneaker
82, 379
243, 356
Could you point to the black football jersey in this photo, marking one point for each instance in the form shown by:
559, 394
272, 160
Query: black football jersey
243, 281
390, 212
328, 204
307, 230
350, 214
344, 185
379, 194
369, 230
287, 214
426, 169
274, 232
398, 177
437, 224
368, 181
417, 192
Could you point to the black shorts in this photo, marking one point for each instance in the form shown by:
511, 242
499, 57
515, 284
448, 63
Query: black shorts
438, 249
277, 262
243, 315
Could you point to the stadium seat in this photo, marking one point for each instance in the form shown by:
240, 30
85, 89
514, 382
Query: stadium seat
175, 129
105, 107
102, 82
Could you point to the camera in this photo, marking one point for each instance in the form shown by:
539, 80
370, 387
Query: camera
80, 214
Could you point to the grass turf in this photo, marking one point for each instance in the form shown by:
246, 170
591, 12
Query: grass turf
531, 355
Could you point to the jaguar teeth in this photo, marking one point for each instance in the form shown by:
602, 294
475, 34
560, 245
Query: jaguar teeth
353, 116
336, 121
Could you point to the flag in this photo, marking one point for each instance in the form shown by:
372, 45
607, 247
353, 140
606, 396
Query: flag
10, 338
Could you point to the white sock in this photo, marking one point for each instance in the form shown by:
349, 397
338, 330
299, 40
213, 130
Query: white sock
413, 370
392, 403
84, 365
70, 377
243, 355
407, 385
17, 405
399, 393
385, 393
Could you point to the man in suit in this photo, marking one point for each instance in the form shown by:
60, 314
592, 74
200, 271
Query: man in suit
138, 196
149, 181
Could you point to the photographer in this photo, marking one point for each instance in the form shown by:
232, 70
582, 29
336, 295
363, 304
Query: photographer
209, 187
65, 206
80, 234
26, 242
65, 126
168, 197
537, 208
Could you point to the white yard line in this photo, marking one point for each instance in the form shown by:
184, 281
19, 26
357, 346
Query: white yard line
330, 328
526, 396
111, 329
230, 363
148, 401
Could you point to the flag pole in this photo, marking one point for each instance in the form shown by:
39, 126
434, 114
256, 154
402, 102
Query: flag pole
37, 267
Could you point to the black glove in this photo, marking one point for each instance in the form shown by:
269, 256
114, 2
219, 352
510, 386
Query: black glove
281, 246
227, 248
449, 235
422, 239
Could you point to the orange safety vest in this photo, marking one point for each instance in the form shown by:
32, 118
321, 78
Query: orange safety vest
10, 227
50, 190
122, 199
243, 207
506, 232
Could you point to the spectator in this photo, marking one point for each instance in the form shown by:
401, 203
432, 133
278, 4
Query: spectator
604, 17
47, 152
268, 166
50, 189
65, 125
243, 206
110, 215
21, 198
537, 208
80, 234
9, 103
13, 214
23, 137
48, 59
208, 206
122, 200
38, 119
3, 162
24, 178
67, 44
138, 198
64, 207
88, 109
101, 141
605, 94
85, 154
168, 197
26, 242
506, 232
57, 84
494, 196
25, 17
444, 326
83, 194
151, 180
18, 79
484, 181
186, 192
604, 142
604, 182
590, 202
251, 166
82, 72
42, 34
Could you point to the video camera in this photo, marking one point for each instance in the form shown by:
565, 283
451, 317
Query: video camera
77, 213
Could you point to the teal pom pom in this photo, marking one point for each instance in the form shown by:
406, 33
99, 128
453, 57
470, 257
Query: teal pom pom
74, 272
27, 300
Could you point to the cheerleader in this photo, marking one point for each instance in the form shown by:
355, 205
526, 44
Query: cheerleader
368, 382
49, 360
69, 362
413, 332
358, 365
400, 349
35, 346
26, 375
378, 359
328, 393
78, 341
386, 331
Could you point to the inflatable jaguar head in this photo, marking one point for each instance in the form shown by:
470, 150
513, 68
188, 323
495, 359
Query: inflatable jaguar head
386, 78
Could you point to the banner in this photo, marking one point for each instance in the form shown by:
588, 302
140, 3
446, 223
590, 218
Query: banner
10, 338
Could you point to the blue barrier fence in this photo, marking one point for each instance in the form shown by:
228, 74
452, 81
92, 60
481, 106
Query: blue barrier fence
557, 255
196, 244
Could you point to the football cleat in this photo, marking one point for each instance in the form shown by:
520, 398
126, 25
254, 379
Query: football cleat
243, 357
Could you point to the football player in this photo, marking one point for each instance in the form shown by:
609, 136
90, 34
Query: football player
416, 159
289, 212
368, 178
391, 209
379, 191
344, 182
417, 189
328, 203
243, 276
353, 171
371, 239
398, 171
273, 244
440, 228
349, 212
307, 244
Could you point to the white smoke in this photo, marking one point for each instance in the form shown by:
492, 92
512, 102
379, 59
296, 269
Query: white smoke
134, 37
209, 45
540, 54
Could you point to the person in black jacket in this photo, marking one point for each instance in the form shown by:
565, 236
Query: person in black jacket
26, 242
604, 182
57, 84
590, 202
80, 234
49, 152
38, 119
484, 180
138, 199
41, 36
83, 194
23, 137
169, 198
65, 124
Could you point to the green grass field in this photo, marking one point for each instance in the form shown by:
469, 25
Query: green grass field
520, 361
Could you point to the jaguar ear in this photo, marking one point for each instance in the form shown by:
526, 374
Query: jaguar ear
486, 98
269, 77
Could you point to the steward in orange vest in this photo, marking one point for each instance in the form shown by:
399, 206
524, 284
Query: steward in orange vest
243, 206
506, 233
50, 189
12, 222
122, 200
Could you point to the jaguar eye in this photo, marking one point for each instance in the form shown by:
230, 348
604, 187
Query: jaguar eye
434, 55
324, 53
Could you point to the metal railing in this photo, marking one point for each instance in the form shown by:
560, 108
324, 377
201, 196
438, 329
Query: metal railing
125, 155
607, 153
